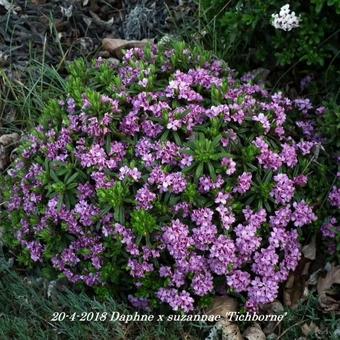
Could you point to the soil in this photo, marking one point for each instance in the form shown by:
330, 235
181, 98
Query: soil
63, 30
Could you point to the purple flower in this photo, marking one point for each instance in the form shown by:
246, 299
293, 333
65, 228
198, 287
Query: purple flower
174, 182
144, 198
95, 156
226, 215
128, 238
303, 105
204, 236
186, 161
157, 176
138, 270
282, 217
92, 279
267, 158
229, 164
69, 257
254, 219
288, 155
85, 191
305, 147
71, 105
177, 240
183, 208
222, 254
168, 153
238, 280
130, 124
261, 118
178, 300
244, 182
125, 172
301, 180
222, 198
261, 291
151, 129
178, 277
246, 240
307, 128
139, 302
165, 271
334, 197
202, 283
303, 214
36, 250
284, 189
202, 217
86, 212
205, 184
180, 87
265, 261
329, 230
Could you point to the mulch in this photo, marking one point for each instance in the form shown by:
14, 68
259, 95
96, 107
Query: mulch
55, 31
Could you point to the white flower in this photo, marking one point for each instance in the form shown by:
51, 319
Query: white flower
285, 20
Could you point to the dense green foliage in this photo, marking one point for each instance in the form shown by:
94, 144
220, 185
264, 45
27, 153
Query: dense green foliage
242, 32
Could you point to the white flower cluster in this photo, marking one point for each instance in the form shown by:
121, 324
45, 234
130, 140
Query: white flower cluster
285, 20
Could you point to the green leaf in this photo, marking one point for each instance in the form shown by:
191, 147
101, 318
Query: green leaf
177, 138
46, 164
216, 140
72, 178
72, 186
199, 171
164, 136
67, 201
60, 202
267, 205
212, 171
220, 155
121, 215
268, 177
143, 222
54, 176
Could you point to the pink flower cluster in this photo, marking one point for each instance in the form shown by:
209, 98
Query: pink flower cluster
209, 224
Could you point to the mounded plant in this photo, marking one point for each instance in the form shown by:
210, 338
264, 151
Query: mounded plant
166, 179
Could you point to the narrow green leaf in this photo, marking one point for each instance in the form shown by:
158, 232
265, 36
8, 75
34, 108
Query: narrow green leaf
216, 140
212, 171
267, 205
60, 202
177, 138
199, 170
268, 177
54, 176
72, 178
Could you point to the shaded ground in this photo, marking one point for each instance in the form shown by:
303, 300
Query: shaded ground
64, 30
38, 38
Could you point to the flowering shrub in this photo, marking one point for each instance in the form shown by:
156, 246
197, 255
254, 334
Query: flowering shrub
166, 178
269, 34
